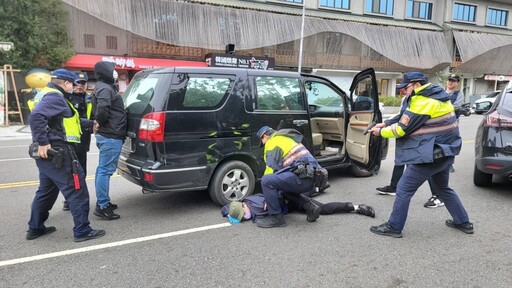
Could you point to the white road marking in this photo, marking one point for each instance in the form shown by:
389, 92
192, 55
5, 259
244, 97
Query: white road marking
109, 245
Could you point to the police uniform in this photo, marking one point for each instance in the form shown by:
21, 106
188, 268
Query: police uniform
83, 105
283, 153
427, 140
54, 121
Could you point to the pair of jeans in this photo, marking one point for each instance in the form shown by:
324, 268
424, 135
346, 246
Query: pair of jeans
109, 152
438, 174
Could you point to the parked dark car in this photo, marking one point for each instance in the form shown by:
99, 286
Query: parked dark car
493, 142
195, 128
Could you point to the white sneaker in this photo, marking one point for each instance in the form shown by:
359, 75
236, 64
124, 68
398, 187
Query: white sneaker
433, 202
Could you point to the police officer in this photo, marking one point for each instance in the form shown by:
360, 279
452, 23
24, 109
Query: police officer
81, 100
427, 140
288, 173
56, 127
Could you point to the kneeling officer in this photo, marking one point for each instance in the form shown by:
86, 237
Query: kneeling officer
56, 128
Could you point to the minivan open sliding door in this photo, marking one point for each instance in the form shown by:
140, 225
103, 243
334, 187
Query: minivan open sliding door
365, 151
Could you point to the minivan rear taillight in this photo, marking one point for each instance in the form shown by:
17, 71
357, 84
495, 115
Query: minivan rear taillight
496, 119
152, 127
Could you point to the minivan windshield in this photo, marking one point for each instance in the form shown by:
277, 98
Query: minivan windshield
139, 93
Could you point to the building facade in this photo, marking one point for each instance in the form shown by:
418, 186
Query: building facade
339, 37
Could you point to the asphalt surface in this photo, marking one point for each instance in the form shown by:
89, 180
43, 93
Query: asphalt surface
180, 239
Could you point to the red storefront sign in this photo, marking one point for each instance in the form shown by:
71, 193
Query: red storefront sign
87, 61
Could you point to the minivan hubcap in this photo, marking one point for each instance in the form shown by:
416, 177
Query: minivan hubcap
235, 184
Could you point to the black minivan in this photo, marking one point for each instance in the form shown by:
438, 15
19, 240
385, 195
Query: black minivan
194, 128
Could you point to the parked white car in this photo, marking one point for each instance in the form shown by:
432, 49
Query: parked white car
482, 105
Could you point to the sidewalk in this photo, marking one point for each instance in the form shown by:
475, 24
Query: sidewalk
12, 132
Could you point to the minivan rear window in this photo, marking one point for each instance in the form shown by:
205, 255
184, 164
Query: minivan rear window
141, 90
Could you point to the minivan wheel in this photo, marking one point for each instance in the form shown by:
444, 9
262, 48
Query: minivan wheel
359, 172
233, 180
481, 178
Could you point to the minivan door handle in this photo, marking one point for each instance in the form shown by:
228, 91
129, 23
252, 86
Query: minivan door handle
300, 122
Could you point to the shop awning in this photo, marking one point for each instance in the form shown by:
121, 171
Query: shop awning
87, 61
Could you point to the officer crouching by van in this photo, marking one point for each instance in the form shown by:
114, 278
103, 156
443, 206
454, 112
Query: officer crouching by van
289, 173
56, 128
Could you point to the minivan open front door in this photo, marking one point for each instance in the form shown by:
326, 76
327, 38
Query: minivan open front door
365, 151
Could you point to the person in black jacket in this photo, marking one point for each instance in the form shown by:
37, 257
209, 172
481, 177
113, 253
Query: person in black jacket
254, 207
111, 117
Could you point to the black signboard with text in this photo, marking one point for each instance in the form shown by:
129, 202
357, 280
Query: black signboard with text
240, 61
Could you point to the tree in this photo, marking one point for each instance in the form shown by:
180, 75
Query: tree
38, 30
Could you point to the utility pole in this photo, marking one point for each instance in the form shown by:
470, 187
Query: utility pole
301, 36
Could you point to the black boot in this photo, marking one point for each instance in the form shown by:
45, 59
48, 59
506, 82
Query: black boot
271, 221
365, 210
312, 211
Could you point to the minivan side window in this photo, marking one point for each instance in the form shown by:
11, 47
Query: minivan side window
278, 93
323, 95
136, 98
206, 92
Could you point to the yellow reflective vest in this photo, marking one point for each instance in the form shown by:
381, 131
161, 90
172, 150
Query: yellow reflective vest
72, 129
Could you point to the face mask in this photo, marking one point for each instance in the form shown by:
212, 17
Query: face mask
115, 75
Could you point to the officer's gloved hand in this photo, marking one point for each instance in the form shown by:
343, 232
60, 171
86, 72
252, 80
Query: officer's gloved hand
233, 220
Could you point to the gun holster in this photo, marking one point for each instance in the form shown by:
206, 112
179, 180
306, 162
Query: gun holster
320, 179
304, 171
53, 154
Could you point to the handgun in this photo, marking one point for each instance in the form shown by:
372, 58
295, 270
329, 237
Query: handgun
369, 127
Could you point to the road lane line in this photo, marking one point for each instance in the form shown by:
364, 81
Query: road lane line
110, 245
36, 182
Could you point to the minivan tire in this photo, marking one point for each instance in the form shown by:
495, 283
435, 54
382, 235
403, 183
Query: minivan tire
232, 181
359, 172
481, 178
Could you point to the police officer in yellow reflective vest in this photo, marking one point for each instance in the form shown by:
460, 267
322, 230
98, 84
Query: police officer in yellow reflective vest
56, 128
427, 140
288, 174
82, 102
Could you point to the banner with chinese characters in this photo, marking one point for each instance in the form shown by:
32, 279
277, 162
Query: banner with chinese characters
240, 61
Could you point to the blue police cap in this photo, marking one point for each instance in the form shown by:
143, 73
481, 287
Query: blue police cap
64, 74
81, 76
264, 130
412, 77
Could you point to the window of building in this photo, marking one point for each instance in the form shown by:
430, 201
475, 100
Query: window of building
464, 12
112, 42
497, 17
278, 93
89, 41
384, 7
339, 4
419, 10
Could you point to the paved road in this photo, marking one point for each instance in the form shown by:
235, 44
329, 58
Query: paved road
180, 240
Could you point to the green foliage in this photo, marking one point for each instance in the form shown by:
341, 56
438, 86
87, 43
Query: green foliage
38, 30
391, 100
